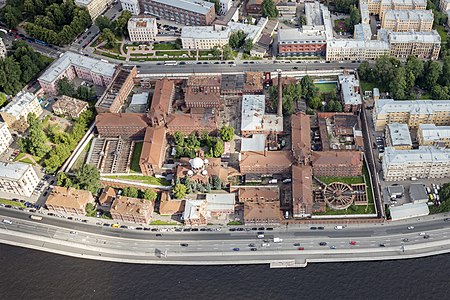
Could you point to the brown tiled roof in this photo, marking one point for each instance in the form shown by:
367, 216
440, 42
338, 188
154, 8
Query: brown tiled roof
69, 198
162, 97
259, 194
192, 120
107, 196
132, 206
193, 97
121, 120
269, 159
337, 158
301, 136
204, 81
253, 81
153, 145
262, 211
302, 196
170, 207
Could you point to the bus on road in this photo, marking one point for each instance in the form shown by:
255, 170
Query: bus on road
170, 63
36, 218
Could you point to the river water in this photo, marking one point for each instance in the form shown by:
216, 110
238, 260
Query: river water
29, 274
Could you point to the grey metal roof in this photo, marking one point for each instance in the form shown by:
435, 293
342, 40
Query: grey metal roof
399, 134
410, 210
196, 6
417, 192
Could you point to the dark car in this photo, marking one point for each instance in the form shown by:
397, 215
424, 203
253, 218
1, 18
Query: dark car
146, 229
270, 228
154, 229
45, 194
194, 229
313, 228
159, 235
232, 229
322, 243
139, 228
253, 249
297, 244
261, 228
124, 226
184, 245
254, 228
106, 225
236, 249
321, 228
447, 219
252, 245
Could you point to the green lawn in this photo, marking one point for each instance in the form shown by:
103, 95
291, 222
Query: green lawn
367, 86
158, 222
165, 47
368, 185
352, 210
27, 161
443, 33
141, 179
348, 180
81, 158
326, 88
426, 96
172, 53
134, 166
12, 203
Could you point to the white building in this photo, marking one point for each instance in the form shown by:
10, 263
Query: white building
425, 162
225, 6
18, 109
142, 29
407, 20
18, 178
351, 49
397, 136
2, 49
255, 120
94, 7
5, 137
131, 5
444, 5
203, 37
349, 88
432, 135
220, 204
409, 210
424, 45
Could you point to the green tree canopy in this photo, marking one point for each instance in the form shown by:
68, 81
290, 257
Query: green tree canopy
109, 37
65, 87
227, 133
149, 194
269, 9
179, 191
88, 178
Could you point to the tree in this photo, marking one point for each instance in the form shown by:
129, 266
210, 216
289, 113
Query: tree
248, 45
2, 99
355, 17
227, 133
88, 178
308, 87
149, 194
90, 210
445, 78
364, 71
338, 106
11, 15
237, 39
218, 148
439, 93
130, 192
36, 141
63, 180
398, 86
178, 138
227, 52
216, 52
192, 141
103, 22
179, 191
85, 93
208, 187
65, 87
109, 37
433, 71
344, 5
217, 183
269, 9
414, 65
216, 5
10, 76
122, 22
315, 102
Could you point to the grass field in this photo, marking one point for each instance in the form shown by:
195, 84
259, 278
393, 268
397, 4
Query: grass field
367, 86
352, 210
134, 166
142, 179
348, 180
165, 47
12, 203
326, 88
158, 222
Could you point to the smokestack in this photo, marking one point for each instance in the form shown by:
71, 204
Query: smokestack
280, 96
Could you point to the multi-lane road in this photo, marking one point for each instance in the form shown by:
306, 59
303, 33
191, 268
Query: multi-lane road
299, 243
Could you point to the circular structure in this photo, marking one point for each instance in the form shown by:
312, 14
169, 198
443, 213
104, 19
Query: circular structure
196, 163
338, 195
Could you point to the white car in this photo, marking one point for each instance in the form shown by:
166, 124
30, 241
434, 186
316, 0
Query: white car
410, 227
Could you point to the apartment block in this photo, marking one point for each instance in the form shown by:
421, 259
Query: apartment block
71, 65
121, 125
351, 49
407, 20
424, 45
411, 112
444, 5
15, 113
425, 162
127, 209
203, 37
131, 5
117, 91
142, 29
5, 137
18, 178
380, 7
302, 194
269, 162
187, 12
94, 7
432, 135
68, 200
350, 93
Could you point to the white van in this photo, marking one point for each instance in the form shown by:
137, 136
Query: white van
338, 227
6, 221
265, 244
260, 236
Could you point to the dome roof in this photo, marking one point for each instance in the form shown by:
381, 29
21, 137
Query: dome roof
196, 163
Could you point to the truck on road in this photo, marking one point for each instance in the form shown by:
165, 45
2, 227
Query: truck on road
277, 240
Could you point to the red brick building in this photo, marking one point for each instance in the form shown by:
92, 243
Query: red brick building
301, 137
337, 163
161, 106
125, 125
153, 151
302, 195
269, 162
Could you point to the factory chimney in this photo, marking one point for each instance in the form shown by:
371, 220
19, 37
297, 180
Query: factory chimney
280, 96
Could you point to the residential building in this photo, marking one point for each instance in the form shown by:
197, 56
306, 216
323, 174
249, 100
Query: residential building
73, 65
187, 12
267, 163
407, 20
225, 6
69, 107
253, 32
6, 138
397, 136
432, 135
203, 37
94, 7
2, 49
188, 123
153, 151
301, 137
379, 7
350, 93
106, 198
18, 178
425, 162
302, 195
117, 91
131, 5
411, 112
121, 125
301, 42
195, 213
254, 7
67, 200
286, 9
424, 45
337, 163
444, 5
364, 11
170, 207
15, 113
255, 120
203, 92
418, 193
256, 213
260, 194
142, 29
362, 32
351, 49
127, 209
220, 204
161, 106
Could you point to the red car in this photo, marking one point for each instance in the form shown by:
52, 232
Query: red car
300, 248
352, 243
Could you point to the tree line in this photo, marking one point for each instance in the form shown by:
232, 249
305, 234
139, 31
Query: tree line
111, 29
400, 79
